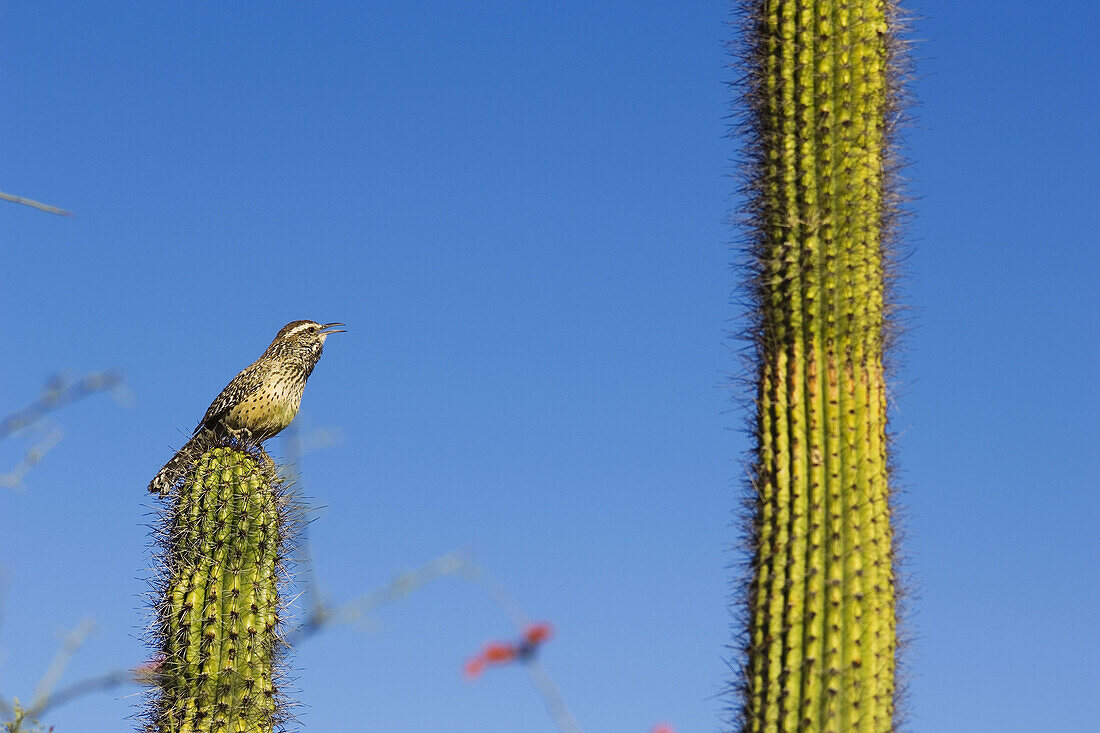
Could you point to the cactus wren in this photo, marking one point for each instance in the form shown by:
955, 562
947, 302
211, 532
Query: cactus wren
260, 401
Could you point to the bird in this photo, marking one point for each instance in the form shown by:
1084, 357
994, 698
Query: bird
260, 401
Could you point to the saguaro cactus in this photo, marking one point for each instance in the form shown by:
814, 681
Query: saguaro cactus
216, 630
819, 609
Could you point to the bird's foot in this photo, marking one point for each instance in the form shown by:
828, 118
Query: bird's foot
243, 436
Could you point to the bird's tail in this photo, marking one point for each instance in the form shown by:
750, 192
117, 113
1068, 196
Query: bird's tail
175, 469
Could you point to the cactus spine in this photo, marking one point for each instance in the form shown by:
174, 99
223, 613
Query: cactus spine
819, 608
218, 601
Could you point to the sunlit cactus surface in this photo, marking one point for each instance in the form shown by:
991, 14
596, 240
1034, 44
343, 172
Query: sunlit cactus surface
223, 540
820, 102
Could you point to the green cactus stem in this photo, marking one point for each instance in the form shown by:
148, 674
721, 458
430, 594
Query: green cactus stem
218, 601
820, 610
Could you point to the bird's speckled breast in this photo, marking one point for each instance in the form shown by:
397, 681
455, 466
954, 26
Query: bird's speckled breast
269, 409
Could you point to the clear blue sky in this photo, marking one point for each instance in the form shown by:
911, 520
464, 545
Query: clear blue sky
520, 211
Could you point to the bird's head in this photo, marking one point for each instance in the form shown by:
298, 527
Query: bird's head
303, 338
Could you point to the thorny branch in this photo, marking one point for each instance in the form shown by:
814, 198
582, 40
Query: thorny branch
73, 641
544, 683
56, 393
36, 204
297, 443
69, 646
322, 616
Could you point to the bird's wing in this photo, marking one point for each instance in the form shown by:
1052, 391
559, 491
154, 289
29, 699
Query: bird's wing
236, 391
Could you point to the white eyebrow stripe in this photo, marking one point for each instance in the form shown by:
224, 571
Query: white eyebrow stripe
303, 327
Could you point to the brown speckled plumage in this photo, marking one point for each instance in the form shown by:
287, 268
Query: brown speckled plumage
261, 400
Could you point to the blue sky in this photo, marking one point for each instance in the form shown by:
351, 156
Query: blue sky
520, 210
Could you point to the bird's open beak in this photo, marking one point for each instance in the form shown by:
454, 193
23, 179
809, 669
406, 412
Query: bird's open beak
328, 328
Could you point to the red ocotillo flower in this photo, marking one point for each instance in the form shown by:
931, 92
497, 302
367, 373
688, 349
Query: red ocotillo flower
496, 652
535, 634
475, 667
663, 728
499, 652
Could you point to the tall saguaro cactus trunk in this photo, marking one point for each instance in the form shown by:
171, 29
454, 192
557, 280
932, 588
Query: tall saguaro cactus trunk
820, 606
222, 542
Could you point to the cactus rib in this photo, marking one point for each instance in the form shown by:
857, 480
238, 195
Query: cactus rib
224, 535
820, 606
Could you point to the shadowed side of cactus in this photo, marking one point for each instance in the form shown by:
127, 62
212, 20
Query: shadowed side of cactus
223, 540
820, 101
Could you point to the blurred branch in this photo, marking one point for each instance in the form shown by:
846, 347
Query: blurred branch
34, 454
73, 641
551, 696
544, 683
297, 442
98, 683
56, 394
43, 699
498, 594
323, 616
36, 205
